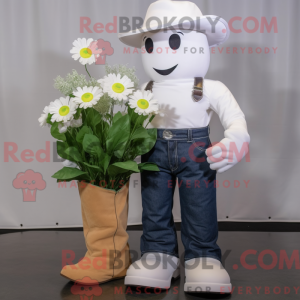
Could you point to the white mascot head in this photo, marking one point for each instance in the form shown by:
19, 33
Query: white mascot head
175, 40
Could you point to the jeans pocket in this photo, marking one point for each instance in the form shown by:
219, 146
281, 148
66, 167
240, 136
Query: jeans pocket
202, 144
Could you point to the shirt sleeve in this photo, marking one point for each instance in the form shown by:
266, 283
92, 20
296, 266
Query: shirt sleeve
231, 116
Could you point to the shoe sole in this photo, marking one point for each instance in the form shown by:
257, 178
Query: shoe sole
150, 282
205, 287
98, 282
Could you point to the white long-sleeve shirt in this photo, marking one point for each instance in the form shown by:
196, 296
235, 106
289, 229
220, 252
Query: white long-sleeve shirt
179, 111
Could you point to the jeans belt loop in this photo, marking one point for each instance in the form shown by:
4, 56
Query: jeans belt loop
190, 135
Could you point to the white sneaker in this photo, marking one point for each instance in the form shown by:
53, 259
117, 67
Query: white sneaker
153, 270
206, 274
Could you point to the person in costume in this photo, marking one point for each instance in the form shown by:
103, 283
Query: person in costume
176, 56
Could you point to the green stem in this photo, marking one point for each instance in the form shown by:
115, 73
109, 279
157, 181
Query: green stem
83, 113
128, 142
87, 71
111, 113
150, 120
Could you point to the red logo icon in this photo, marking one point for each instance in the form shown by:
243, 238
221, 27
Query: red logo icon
87, 288
29, 182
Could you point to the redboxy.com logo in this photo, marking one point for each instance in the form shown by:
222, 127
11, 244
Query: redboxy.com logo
236, 24
13, 153
231, 151
278, 261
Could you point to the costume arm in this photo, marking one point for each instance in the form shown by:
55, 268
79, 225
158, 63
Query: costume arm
235, 145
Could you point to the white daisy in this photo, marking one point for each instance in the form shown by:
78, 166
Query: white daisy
87, 96
63, 127
43, 118
76, 123
142, 102
63, 109
82, 51
117, 88
102, 80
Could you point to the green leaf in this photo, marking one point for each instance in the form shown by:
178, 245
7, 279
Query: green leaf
101, 132
70, 139
97, 118
134, 117
61, 147
144, 145
91, 145
88, 116
67, 173
78, 112
140, 133
117, 116
49, 119
88, 112
118, 133
119, 153
123, 167
55, 132
74, 154
148, 167
95, 168
93, 117
83, 131
105, 162
92, 166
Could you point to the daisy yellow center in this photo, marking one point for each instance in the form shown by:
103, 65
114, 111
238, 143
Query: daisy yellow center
118, 88
87, 97
64, 110
143, 104
86, 53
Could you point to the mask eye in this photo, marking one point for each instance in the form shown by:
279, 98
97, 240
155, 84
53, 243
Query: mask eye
174, 41
149, 45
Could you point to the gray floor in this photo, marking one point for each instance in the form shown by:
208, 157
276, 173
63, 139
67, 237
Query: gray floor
30, 263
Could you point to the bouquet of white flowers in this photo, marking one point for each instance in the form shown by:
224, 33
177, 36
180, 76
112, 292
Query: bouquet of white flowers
100, 146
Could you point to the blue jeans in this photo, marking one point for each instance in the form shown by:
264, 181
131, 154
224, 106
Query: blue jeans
180, 156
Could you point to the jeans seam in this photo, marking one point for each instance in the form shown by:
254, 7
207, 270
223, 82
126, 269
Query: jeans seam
176, 158
203, 137
185, 139
171, 139
169, 156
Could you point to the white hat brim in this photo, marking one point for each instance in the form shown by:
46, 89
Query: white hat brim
216, 35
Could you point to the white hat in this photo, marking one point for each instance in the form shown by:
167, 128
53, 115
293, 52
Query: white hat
185, 15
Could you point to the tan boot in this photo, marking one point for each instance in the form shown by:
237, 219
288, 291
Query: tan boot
104, 214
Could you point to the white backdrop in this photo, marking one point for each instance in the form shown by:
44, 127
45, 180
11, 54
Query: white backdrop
36, 37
